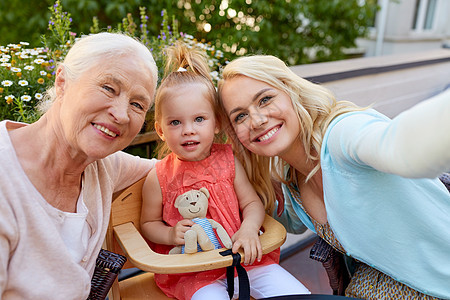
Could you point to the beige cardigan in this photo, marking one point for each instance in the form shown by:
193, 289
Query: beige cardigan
34, 261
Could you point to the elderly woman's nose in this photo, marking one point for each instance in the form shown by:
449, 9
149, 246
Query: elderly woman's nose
119, 111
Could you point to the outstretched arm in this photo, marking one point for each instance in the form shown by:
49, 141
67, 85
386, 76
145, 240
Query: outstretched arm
152, 225
414, 144
247, 237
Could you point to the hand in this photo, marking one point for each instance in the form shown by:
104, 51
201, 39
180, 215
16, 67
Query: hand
247, 239
176, 233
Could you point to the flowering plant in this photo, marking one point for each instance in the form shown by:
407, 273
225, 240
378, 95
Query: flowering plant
26, 73
24, 76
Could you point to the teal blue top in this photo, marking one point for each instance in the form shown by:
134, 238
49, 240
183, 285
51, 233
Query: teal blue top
398, 225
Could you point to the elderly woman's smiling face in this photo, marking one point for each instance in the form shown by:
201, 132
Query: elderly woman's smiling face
103, 110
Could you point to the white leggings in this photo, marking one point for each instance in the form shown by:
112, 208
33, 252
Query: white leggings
265, 281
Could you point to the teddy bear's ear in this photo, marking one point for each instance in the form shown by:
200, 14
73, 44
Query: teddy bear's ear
205, 191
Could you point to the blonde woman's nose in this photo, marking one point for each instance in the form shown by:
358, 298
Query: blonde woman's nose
258, 119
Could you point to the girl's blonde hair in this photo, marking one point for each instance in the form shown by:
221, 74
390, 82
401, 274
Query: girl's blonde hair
315, 106
184, 65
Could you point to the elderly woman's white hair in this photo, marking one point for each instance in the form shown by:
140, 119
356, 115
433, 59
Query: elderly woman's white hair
89, 50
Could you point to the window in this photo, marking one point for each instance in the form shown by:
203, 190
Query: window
424, 15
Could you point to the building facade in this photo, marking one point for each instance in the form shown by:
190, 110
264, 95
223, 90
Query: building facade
403, 26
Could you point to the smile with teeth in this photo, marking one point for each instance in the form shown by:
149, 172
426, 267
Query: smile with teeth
268, 135
190, 143
105, 130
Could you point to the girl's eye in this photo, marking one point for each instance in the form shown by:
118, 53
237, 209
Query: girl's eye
264, 100
199, 119
175, 123
239, 118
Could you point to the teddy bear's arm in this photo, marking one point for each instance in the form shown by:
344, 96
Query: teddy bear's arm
222, 234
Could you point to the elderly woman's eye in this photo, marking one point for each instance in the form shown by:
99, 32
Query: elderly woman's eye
108, 88
135, 104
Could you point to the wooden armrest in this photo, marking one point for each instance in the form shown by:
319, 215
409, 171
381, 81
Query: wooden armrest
143, 257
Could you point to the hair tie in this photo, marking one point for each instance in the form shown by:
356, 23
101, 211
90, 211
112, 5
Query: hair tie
181, 69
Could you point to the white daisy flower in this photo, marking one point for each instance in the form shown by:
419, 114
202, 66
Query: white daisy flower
7, 65
38, 96
7, 83
43, 73
4, 59
23, 82
39, 61
25, 43
28, 68
25, 98
14, 69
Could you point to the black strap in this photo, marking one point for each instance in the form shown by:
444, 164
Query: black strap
244, 283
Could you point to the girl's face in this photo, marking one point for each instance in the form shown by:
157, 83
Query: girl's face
188, 123
262, 116
104, 109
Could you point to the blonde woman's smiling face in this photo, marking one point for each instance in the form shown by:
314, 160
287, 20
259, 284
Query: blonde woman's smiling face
262, 116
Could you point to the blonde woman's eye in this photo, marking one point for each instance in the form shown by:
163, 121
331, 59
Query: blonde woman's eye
264, 100
239, 117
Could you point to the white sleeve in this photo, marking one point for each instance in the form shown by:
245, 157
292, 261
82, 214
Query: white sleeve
127, 169
414, 144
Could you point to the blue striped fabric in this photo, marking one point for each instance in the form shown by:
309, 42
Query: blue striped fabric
209, 232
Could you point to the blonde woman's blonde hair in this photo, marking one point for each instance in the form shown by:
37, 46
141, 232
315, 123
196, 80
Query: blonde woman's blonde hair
314, 105
184, 65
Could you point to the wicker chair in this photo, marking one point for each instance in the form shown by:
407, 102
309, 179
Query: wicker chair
124, 239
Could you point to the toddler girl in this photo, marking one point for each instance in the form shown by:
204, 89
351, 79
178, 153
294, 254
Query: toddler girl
186, 119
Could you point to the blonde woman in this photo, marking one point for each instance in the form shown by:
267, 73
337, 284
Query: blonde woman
348, 174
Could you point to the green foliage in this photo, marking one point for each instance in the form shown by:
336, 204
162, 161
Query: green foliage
297, 31
25, 73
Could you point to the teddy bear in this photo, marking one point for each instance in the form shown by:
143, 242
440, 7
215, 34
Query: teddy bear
193, 205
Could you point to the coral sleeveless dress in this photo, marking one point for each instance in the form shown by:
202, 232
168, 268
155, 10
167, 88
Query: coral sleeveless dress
216, 173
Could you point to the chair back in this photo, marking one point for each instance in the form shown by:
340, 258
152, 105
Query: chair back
126, 207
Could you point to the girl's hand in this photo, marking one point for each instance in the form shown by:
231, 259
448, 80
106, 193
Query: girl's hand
247, 239
176, 233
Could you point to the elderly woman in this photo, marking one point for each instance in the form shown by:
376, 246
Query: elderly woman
58, 174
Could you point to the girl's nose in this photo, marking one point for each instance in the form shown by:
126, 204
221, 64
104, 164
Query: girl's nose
188, 129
